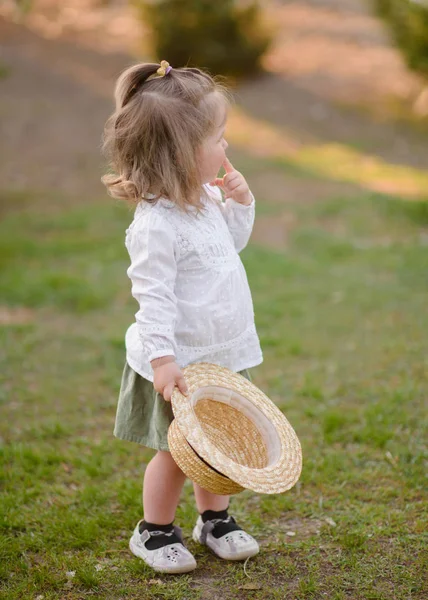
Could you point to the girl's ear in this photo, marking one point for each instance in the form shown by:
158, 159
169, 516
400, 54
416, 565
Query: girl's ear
131, 81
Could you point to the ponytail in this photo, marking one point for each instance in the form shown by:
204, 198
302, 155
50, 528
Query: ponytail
131, 81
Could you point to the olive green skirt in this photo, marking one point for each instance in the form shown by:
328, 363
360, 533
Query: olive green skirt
143, 416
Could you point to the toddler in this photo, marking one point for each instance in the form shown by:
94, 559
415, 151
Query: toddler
166, 146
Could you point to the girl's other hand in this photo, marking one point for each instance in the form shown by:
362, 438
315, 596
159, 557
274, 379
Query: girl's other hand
233, 184
166, 376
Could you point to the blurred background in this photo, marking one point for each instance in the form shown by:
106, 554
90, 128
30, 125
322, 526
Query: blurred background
330, 127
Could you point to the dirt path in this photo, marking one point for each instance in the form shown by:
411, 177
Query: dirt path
55, 98
339, 50
57, 84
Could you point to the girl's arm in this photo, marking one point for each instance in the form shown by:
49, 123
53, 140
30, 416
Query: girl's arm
239, 207
239, 218
153, 271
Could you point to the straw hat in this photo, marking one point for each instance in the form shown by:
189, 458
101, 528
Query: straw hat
233, 426
196, 468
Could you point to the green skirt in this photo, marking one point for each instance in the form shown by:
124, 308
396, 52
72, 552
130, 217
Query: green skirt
143, 416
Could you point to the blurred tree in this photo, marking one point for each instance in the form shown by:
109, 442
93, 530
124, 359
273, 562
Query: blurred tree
226, 37
408, 20
24, 5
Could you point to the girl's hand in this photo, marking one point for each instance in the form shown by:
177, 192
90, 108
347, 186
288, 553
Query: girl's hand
233, 184
166, 376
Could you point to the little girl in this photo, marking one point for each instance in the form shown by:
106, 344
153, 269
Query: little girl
166, 146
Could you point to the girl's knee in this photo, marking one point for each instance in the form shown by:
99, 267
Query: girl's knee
166, 457
163, 453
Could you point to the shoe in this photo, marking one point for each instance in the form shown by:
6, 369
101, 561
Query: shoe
173, 558
225, 538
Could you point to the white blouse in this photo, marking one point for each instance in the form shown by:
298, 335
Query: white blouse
191, 286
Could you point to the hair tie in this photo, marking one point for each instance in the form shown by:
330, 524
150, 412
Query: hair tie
164, 69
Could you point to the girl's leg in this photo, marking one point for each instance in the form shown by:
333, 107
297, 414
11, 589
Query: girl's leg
218, 530
163, 482
155, 539
207, 501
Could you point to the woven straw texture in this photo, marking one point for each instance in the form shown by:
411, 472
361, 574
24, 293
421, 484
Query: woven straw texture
195, 468
228, 440
233, 433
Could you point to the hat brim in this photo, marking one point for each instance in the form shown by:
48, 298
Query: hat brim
285, 459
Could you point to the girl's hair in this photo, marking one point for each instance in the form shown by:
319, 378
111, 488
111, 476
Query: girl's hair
152, 138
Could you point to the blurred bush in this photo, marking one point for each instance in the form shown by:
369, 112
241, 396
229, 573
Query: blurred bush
226, 37
408, 21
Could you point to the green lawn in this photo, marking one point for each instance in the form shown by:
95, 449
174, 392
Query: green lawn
342, 316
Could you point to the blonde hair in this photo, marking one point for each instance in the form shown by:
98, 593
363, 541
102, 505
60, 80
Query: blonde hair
152, 138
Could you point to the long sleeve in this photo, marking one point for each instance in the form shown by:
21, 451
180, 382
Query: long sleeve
153, 271
239, 218
194, 301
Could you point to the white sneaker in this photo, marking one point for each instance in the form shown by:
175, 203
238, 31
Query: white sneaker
235, 544
174, 558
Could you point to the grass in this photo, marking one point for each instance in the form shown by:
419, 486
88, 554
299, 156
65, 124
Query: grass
343, 323
4, 71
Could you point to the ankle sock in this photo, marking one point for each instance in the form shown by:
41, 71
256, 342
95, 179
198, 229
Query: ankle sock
159, 540
222, 528
209, 515
154, 527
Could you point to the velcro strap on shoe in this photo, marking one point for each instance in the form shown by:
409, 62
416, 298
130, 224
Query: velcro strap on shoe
159, 539
219, 527
208, 526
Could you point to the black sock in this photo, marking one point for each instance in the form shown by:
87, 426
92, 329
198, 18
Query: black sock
220, 529
154, 527
159, 541
209, 515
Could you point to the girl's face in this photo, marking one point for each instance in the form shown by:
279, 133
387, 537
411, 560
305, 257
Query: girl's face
213, 150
